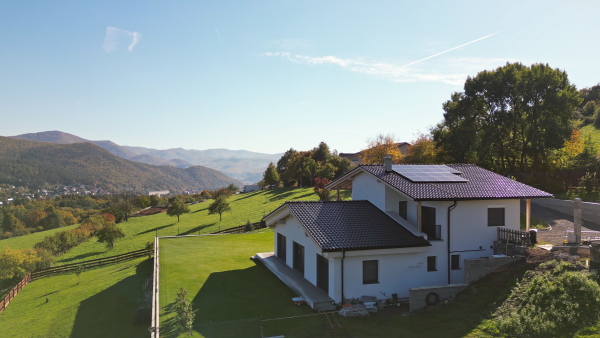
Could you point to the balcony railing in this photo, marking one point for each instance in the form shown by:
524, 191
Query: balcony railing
516, 237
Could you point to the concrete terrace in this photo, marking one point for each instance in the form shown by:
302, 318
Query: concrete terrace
315, 297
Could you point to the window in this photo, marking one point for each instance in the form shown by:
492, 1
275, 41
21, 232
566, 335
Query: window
455, 262
370, 272
495, 217
403, 209
281, 247
431, 263
428, 223
298, 259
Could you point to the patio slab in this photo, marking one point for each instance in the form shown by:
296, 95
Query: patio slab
315, 297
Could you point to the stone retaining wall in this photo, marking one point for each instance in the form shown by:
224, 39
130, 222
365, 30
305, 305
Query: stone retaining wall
476, 269
590, 211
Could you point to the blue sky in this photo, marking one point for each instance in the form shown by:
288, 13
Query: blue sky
268, 75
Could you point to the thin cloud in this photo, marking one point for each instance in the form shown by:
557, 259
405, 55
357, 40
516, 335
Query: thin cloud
390, 71
116, 37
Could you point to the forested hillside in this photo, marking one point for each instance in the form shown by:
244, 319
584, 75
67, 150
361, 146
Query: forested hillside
37, 164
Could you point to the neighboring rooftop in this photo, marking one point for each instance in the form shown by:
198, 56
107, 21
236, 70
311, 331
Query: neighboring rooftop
352, 225
477, 183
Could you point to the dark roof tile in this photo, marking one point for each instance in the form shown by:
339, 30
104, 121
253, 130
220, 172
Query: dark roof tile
352, 225
482, 184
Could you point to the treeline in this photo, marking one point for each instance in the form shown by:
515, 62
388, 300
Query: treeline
300, 168
529, 122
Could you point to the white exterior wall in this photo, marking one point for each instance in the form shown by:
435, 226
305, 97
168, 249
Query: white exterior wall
399, 270
294, 232
368, 187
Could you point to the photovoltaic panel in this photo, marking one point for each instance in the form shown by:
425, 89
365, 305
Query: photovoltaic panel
429, 173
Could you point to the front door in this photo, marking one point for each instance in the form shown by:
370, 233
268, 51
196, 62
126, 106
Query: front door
299, 258
323, 273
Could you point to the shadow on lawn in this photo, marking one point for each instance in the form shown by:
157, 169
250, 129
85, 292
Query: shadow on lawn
110, 313
196, 229
155, 229
82, 256
232, 303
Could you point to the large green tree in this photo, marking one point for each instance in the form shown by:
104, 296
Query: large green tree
177, 208
509, 119
109, 234
219, 206
271, 176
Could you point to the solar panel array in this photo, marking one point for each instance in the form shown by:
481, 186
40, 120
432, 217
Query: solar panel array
429, 173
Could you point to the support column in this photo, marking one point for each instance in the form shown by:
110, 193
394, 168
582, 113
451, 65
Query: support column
419, 217
527, 214
577, 220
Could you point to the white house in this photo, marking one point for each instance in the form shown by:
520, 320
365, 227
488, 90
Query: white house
408, 226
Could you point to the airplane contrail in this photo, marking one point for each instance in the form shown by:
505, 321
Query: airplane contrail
446, 51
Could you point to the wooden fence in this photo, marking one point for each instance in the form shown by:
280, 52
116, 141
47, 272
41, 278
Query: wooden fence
516, 237
89, 264
15, 290
240, 229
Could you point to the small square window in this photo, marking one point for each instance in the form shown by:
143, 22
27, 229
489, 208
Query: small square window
431, 263
371, 272
455, 262
496, 217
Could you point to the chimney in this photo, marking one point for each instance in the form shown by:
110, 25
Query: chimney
387, 163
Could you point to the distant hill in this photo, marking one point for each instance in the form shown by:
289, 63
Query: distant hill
34, 164
246, 166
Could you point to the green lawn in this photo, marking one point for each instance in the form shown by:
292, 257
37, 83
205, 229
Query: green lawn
140, 230
28, 241
103, 305
234, 296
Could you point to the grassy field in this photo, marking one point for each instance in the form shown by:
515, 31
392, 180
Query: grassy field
140, 230
236, 297
104, 304
28, 241
125, 278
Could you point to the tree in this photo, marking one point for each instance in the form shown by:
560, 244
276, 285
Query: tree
219, 206
78, 272
233, 188
324, 194
422, 150
322, 153
509, 119
10, 223
380, 147
109, 234
16, 263
271, 177
178, 208
185, 313
53, 220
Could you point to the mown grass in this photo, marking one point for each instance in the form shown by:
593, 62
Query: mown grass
63, 314
104, 304
236, 297
28, 241
140, 230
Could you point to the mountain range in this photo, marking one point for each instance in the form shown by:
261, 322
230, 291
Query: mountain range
40, 164
243, 165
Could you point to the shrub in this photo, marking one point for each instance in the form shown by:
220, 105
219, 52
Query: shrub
555, 298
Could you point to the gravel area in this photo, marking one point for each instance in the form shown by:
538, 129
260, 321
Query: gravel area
559, 224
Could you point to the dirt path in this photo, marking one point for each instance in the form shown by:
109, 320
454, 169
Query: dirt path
558, 222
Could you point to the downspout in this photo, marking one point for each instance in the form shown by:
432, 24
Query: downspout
450, 208
343, 256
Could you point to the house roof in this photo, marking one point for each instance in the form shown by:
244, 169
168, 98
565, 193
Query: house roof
351, 225
480, 184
